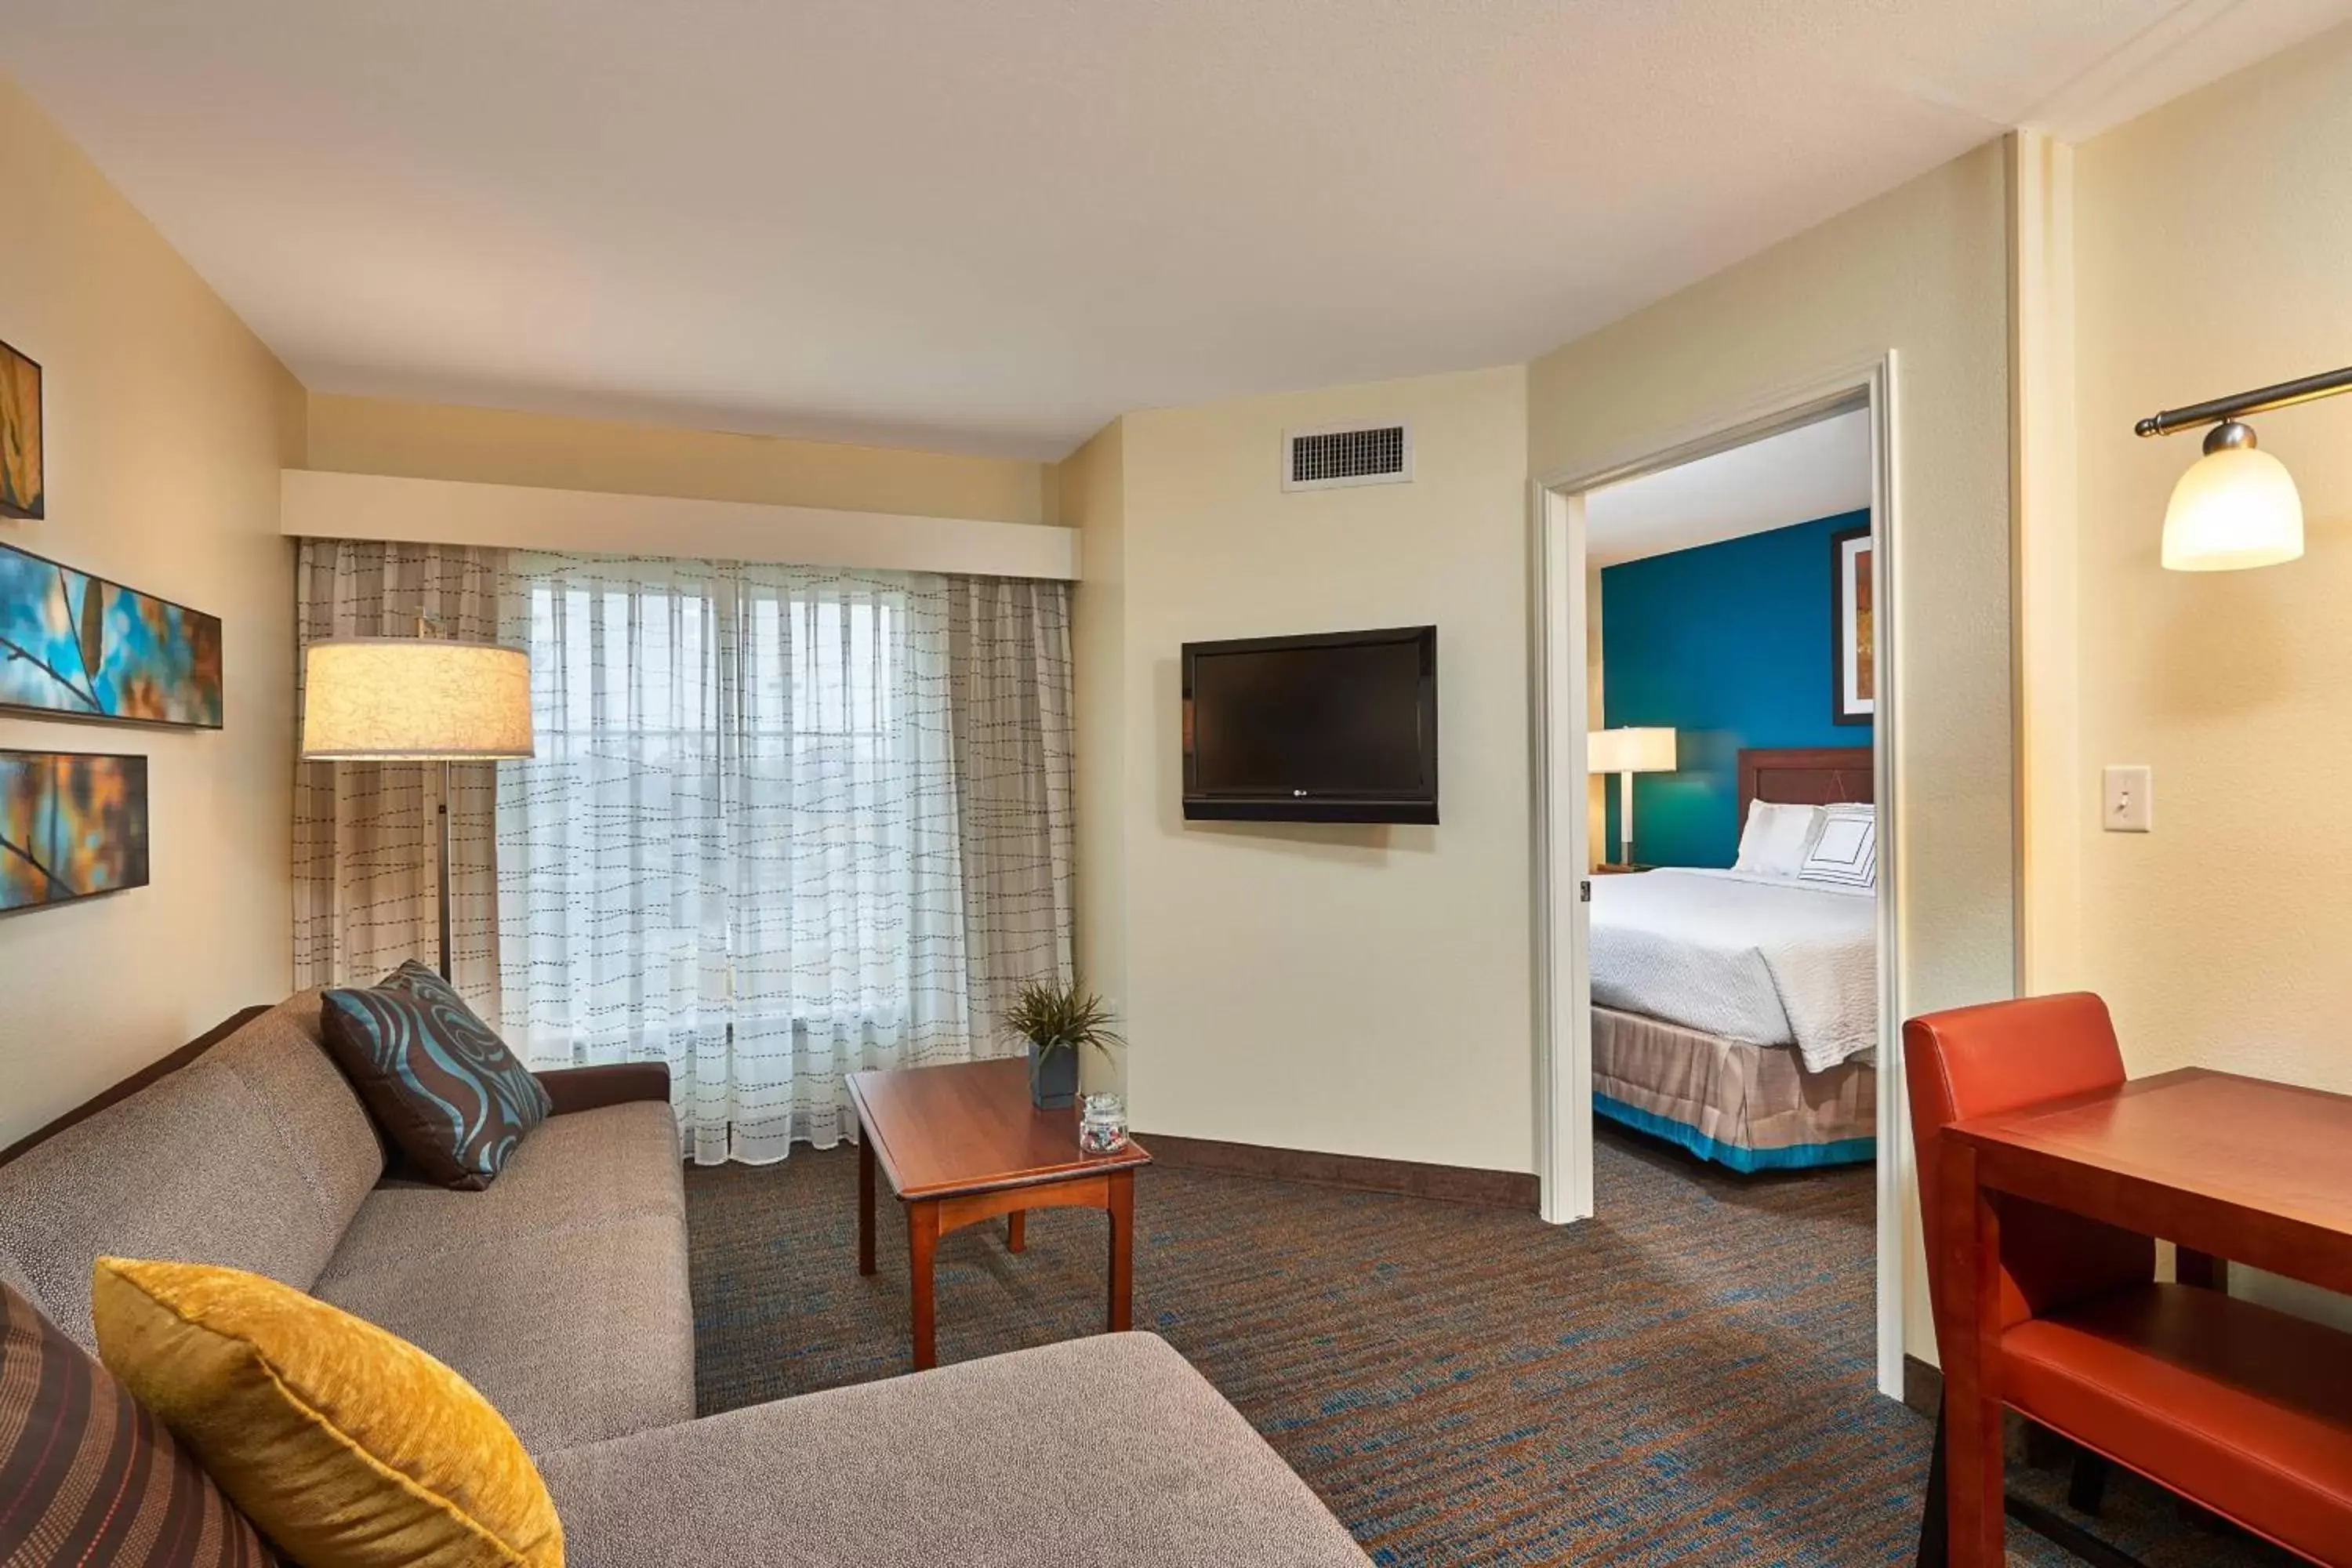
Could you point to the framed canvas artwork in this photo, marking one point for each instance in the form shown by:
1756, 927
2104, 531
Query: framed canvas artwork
79, 647
23, 492
71, 826
1853, 664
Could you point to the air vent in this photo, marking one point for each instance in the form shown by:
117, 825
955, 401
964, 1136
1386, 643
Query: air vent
1347, 455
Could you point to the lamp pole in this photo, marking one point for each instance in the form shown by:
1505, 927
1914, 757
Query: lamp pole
1625, 817
426, 627
446, 975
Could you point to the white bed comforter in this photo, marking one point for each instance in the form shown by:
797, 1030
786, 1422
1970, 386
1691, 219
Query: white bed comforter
1754, 958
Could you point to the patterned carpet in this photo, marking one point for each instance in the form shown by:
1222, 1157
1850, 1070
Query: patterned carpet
1686, 1379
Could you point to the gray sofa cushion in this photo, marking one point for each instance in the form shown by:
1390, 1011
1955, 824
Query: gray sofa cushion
256, 1157
194, 1167
619, 1163
1099, 1453
15, 1277
560, 1290
574, 1335
284, 1061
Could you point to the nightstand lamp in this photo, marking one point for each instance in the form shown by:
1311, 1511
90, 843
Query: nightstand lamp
1627, 752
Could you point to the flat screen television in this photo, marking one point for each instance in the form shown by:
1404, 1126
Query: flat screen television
1337, 727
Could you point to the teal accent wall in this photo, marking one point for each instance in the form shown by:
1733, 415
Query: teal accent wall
1729, 645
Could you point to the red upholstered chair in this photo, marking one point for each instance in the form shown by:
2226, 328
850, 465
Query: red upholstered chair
2241, 1408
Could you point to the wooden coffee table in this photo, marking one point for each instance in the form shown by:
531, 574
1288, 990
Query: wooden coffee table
962, 1144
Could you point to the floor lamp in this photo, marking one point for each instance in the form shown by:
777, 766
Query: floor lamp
1628, 751
416, 700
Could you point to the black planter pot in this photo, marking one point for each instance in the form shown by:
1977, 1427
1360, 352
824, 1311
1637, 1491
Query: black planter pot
1052, 1082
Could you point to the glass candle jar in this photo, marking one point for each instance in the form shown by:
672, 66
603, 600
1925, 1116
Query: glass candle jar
1102, 1123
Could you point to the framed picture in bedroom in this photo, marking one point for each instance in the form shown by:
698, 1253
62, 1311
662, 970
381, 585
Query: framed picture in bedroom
23, 492
71, 826
78, 647
1852, 666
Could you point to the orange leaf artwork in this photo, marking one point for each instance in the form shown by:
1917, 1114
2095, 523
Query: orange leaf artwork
23, 490
71, 826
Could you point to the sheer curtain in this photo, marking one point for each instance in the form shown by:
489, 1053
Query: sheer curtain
364, 833
783, 824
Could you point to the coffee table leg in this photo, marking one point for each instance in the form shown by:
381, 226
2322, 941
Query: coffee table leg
1016, 1231
1122, 1251
866, 1203
922, 1246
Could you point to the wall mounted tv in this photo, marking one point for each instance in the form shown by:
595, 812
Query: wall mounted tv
1338, 727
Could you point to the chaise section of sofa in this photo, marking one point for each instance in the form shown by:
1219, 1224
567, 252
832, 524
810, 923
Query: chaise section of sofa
1109, 1452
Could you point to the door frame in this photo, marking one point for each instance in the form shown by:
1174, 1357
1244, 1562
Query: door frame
1563, 831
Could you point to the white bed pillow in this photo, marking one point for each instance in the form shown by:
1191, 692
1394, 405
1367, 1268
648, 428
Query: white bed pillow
1777, 839
1845, 853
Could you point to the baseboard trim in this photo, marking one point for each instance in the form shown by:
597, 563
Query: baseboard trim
1923, 1386
1408, 1178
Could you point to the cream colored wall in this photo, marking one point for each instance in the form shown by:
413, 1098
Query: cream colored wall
444, 441
1348, 989
167, 422
1090, 496
1921, 270
2210, 242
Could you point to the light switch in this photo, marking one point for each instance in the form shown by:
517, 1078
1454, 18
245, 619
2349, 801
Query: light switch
2130, 805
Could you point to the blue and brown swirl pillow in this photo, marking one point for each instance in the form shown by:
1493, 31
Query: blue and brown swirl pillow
442, 1087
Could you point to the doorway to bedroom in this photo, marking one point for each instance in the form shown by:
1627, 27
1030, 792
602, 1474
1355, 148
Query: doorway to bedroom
1716, 926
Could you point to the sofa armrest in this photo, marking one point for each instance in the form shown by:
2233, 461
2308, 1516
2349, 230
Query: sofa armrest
593, 1089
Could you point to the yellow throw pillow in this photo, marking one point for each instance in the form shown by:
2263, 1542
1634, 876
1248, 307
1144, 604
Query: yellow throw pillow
347, 1447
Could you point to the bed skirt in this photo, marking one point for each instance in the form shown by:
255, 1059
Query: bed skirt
1749, 1107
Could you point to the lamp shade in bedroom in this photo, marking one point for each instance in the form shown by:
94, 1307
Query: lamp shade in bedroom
1629, 750
1635, 749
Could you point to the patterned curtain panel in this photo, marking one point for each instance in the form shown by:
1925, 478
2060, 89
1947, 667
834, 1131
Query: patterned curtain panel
1009, 700
365, 834
767, 831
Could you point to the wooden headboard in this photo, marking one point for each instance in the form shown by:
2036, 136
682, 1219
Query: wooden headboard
1804, 775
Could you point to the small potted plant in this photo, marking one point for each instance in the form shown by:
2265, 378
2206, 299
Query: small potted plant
1058, 1021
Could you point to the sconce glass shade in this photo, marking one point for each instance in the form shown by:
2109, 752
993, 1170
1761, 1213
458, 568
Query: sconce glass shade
414, 699
1629, 750
2235, 507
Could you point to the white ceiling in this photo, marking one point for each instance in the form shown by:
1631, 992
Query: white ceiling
993, 225
1815, 470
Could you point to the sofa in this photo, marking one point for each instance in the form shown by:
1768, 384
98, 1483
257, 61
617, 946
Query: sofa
561, 1293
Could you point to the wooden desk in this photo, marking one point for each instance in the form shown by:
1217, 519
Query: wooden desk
962, 1144
2227, 1167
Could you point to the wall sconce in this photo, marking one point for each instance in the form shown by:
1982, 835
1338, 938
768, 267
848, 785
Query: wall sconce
2236, 507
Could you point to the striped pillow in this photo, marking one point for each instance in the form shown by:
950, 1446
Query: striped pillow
1845, 853
437, 1079
87, 1475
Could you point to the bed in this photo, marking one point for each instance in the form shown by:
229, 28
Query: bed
1736, 1014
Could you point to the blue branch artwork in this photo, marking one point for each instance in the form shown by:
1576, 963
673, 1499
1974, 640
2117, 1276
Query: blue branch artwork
77, 644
